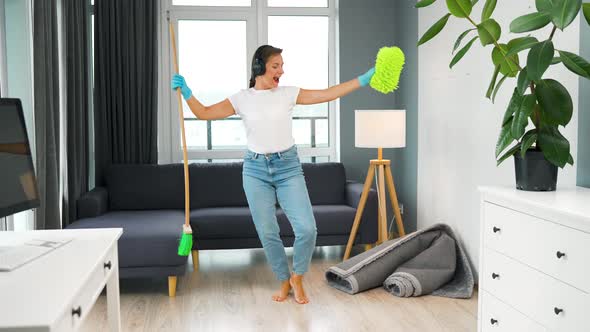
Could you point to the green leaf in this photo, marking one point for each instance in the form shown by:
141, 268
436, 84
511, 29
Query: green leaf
508, 154
539, 59
460, 38
473, 2
462, 52
575, 63
489, 31
544, 5
586, 10
424, 3
564, 12
555, 60
504, 139
522, 82
570, 160
530, 22
508, 65
521, 116
555, 147
555, 101
488, 9
527, 141
513, 105
493, 82
497, 88
520, 44
434, 29
460, 8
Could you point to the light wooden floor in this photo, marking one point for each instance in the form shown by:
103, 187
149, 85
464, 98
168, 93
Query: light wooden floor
232, 289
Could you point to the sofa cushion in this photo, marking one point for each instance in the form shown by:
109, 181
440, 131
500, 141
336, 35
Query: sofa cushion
222, 222
326, 183
330, 219
150, 237
216, 185
143, 187
236, 222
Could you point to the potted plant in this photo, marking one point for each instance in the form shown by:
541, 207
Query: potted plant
544, 102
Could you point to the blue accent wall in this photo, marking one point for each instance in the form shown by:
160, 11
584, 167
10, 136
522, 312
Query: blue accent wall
364, 28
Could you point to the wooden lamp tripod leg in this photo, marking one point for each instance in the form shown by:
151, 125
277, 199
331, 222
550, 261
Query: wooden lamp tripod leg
359, 210
394, 203
383, 236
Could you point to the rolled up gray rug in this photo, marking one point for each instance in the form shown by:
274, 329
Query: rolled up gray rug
371, 268
425, 273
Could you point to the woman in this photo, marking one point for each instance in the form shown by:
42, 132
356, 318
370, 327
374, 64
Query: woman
271, 167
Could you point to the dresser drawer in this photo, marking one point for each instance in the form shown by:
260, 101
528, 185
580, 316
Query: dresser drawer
92, 288
555, 305
556, 250
497, 316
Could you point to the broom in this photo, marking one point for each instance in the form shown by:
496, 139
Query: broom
186, 240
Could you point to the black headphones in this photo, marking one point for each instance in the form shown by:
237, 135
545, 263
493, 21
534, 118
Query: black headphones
258, 67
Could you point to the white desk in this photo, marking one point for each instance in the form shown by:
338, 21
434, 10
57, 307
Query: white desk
55, 292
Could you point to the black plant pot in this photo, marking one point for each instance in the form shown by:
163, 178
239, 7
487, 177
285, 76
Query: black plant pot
534, 172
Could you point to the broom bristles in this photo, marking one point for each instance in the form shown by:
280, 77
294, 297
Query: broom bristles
388, 67
186, 244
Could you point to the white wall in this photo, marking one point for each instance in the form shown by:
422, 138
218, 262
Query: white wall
458, 126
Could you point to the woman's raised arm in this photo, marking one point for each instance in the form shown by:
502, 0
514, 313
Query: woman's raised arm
309, 97
221, 110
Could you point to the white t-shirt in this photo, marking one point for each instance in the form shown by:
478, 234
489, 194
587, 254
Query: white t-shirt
267, 117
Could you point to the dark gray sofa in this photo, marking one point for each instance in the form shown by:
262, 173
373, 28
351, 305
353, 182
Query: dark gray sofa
147, 201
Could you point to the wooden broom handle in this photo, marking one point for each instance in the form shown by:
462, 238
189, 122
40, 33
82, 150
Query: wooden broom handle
181, 115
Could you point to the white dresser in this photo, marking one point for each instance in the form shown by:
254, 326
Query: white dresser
534, 272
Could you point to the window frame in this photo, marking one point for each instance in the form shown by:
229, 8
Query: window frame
24, 220
3, 62
256, 17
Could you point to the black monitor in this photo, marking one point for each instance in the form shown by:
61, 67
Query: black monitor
18, 184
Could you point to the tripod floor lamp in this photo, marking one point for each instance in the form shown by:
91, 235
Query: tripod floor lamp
378, 129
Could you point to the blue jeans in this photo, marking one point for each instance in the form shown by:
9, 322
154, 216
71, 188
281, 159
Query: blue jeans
279, 175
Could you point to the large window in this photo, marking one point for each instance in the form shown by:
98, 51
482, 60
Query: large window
213, 75
215, 42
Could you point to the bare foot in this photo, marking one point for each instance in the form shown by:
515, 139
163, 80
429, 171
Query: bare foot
296, 282
282, 294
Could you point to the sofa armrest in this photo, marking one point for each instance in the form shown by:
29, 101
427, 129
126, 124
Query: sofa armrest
368, 226
93, 203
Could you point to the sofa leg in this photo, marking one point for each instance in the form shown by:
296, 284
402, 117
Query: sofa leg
171, 286
368, 246
195, 254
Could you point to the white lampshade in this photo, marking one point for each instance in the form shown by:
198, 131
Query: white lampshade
380, 128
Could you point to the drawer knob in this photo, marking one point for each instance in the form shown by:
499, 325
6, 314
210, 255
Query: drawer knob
557, 310
107, 265
495, 275
496, 229
493, 321
560, 254
77, 311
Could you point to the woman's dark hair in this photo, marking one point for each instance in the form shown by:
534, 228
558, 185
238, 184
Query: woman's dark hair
261, 56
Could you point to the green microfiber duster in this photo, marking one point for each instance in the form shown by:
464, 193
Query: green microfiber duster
388, 67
